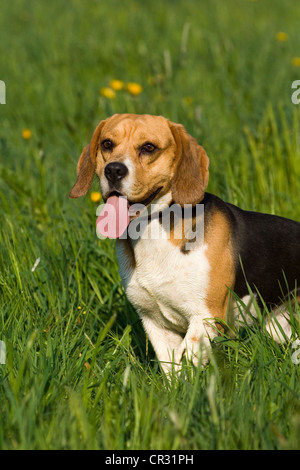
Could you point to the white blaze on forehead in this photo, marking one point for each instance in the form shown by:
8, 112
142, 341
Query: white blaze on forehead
135, 131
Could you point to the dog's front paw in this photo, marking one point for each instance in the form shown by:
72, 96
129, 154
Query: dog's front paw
195, 350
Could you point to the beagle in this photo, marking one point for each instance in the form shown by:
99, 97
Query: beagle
182, 292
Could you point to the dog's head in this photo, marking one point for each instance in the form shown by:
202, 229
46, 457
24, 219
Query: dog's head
143, 157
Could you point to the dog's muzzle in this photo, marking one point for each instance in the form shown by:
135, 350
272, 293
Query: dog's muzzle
115, 172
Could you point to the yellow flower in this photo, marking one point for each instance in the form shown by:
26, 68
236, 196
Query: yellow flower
134, 88
95, 196
108, 93
296, 61
188, 100
26, 134
116, 85
281, 36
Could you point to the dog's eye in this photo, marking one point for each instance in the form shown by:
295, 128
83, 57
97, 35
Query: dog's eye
107, 144
148, 147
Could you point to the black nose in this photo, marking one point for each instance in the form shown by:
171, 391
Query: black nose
115, 171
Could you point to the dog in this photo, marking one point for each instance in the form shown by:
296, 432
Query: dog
181, 293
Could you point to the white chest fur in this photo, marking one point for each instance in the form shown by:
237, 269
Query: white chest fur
166, 284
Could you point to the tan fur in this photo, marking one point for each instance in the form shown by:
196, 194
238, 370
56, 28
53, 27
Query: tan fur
218, 239
191, 173
220, 258
87, 165
180, 164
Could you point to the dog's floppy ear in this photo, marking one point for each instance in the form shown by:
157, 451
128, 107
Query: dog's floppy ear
191, 174
86, 165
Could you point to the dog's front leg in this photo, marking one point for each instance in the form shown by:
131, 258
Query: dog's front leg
196, 343
165, 342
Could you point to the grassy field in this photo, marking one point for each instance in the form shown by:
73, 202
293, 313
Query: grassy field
79, 372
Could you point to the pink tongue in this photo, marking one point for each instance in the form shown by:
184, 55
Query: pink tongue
114, 218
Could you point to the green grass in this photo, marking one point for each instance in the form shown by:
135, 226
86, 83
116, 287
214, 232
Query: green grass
87, 378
